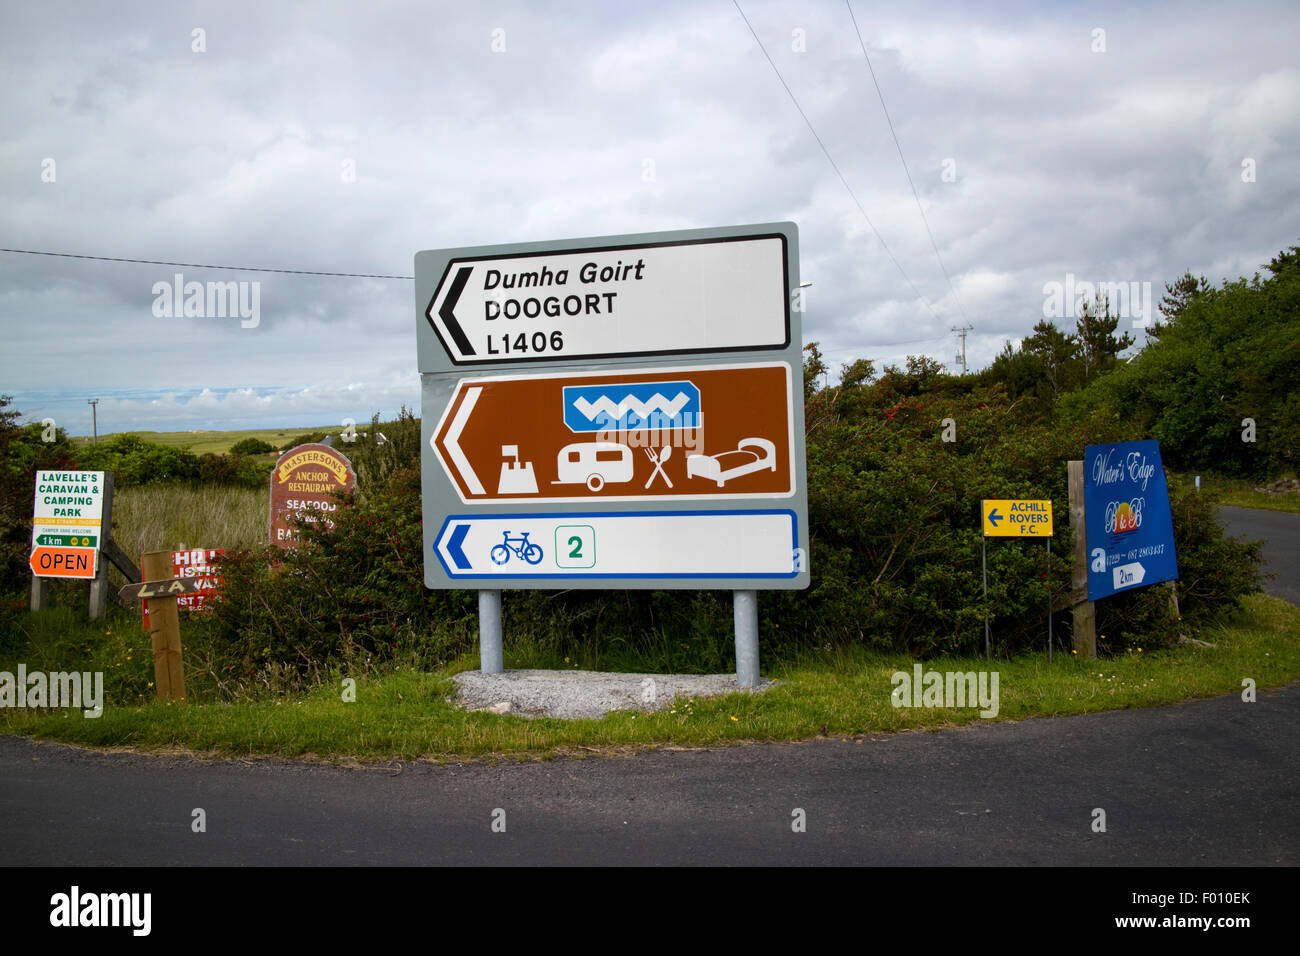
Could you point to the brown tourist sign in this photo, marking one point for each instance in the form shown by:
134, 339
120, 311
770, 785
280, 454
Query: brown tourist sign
305, 483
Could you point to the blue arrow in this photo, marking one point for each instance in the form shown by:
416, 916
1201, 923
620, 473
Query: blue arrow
994, 517
453, 547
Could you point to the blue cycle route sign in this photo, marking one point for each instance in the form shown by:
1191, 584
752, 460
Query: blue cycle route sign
1129, 530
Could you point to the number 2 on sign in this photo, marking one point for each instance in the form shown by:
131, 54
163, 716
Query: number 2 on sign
575, 546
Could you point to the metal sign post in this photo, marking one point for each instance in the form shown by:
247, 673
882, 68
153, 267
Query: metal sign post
1013, 518
617, 412
1048, 578
984, 568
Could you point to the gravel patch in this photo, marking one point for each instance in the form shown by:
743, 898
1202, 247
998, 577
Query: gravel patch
578, 694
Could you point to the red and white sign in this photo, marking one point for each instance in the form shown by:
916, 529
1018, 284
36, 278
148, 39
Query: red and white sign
196, 563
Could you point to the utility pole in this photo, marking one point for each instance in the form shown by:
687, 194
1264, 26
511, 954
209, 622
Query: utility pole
962, 330
94, 417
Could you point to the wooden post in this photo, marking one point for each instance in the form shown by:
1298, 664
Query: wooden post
99, 584
112, 552
1084, 636
40, 592
164, 629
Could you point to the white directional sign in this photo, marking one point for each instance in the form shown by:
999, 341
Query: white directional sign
640, 299
67, 519
651, 544
1128, 575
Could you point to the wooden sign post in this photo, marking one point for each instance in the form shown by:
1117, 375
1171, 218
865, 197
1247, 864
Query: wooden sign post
1084, 636
160, 590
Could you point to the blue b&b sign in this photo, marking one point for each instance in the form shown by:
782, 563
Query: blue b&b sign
1130, 533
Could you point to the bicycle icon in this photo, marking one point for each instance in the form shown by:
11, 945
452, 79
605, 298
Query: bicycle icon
520, 546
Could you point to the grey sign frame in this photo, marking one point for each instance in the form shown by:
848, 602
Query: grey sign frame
440, 375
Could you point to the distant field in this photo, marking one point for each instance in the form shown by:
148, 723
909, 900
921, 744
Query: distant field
218, 443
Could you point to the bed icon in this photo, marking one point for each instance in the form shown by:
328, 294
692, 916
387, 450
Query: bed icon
750, 455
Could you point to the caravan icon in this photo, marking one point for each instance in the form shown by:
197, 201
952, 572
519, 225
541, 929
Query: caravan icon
593, 463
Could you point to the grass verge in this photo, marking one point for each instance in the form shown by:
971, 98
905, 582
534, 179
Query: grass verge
1250, 498
1240, 493
407, 714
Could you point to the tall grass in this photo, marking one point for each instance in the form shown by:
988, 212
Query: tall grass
158, 517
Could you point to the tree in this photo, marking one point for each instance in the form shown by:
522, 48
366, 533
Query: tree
814, 367
1217, 387
1057, 353
1096, 335
1178, 296
861, 372
1019, 371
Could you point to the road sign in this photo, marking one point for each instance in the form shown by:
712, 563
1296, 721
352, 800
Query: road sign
147, 590
193, 563
589, 298
304, 483
64, 562
67, 515
622, 435
67, 540
1011, 518
663, 432
1129, 529
678, 545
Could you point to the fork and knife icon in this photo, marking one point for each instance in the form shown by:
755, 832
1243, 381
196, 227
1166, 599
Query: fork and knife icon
664, 454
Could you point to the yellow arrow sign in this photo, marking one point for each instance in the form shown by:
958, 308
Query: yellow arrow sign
1009, 518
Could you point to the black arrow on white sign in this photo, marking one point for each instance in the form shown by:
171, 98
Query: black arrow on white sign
448, 311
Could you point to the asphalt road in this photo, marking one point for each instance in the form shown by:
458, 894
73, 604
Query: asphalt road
1207, 782
1201, 783
1281, 535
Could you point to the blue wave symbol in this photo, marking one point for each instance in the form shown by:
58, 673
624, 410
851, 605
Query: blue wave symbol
593, 408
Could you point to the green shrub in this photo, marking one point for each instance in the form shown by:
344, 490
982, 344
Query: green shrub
234, 470
135, 461
895, 554
1214, 573
895, 528
251, 446
374, 461
354, 595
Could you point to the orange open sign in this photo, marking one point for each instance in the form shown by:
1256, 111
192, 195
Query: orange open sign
64, 562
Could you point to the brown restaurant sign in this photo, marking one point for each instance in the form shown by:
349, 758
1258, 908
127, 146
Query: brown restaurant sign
305, 482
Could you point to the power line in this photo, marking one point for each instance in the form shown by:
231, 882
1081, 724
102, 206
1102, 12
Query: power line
204, 265
906, 171
884, 345
834, 165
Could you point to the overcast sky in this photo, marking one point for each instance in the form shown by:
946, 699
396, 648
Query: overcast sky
1112, 142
